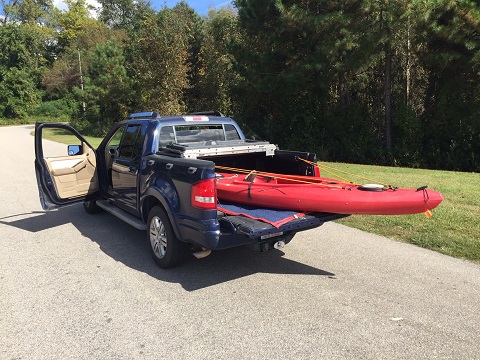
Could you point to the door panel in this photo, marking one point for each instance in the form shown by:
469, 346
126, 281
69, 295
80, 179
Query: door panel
64, 179
74, 176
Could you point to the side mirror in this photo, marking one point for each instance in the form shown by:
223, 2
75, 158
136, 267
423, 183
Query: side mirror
74, 150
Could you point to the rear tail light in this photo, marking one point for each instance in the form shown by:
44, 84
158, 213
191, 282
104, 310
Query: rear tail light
204, 194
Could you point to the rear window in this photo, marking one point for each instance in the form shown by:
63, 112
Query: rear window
231, 133
185, 134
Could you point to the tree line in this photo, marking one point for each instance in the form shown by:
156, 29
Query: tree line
392, 82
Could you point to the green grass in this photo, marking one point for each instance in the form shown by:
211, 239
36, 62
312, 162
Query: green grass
32, 120
454, 228
65, 137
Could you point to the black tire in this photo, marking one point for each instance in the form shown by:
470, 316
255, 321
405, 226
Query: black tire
167, 250
91, 207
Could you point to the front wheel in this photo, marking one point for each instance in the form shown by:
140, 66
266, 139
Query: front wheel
91, 207
166, 249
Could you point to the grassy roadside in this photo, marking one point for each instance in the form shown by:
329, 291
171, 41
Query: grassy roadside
51, 134
65, 137
454, 228
32, 120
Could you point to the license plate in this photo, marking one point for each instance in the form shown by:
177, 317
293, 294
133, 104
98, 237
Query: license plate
263, 237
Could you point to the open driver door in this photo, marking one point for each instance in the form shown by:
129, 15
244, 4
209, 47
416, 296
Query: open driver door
67, 178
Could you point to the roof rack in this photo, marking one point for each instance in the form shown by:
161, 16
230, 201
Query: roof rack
146, 114
208, 113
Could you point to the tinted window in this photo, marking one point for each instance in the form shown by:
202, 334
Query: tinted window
138, 148
167, 136
130, 142
199, 133
231, 133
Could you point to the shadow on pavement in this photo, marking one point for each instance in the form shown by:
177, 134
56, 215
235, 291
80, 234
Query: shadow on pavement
129, 246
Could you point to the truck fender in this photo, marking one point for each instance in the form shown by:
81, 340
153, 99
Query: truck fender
153, 196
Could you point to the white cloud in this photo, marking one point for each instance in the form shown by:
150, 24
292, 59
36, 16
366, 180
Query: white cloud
60, 4
225, 3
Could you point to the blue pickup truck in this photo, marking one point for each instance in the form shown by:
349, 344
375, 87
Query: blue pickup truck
157, 173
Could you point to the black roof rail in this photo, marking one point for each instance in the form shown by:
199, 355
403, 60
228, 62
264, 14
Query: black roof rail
145, 114
211, 113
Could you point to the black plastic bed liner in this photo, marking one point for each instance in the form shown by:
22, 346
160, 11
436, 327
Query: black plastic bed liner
237, 229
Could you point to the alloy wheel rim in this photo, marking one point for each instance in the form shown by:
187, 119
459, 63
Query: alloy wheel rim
158, 237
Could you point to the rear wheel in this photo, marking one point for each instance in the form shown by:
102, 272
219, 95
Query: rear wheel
167, 250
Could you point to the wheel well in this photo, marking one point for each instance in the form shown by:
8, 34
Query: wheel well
148, 204
152, 201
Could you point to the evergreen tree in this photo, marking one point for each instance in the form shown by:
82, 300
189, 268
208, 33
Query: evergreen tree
296, 63
192, 25
451, 126
107, 88
217, 78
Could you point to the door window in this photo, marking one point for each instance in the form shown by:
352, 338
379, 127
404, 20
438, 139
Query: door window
128, 146
115, 139
131, 146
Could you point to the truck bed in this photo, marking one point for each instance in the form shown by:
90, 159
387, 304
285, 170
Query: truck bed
237, 229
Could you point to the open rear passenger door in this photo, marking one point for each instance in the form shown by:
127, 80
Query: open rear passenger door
64, 175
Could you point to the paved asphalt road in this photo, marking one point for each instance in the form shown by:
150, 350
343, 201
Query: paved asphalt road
79, 286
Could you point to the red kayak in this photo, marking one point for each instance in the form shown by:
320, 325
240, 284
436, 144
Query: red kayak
318, 194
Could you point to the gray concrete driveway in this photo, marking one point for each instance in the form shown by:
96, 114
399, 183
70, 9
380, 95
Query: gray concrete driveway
79, 286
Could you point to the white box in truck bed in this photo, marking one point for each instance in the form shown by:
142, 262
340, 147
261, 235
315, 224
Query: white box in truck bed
214, 149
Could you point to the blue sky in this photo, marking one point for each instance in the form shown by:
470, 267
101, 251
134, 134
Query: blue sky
201, 6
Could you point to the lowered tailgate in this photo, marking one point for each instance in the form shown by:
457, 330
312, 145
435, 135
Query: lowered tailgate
240, 230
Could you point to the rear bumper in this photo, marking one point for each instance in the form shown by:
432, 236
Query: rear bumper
232, 231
